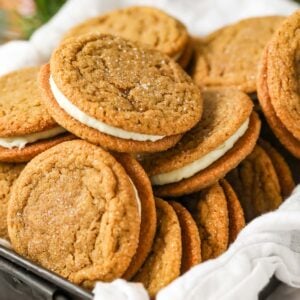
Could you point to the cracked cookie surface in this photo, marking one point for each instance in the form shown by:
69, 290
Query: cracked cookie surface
74, 211
21, 108
146, 25
230, 56
126, 85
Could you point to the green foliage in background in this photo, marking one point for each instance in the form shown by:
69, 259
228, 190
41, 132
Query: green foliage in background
45, 9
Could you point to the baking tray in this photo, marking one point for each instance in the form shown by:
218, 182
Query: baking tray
21, 279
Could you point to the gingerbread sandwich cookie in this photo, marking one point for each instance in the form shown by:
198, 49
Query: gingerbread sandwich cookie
26, 129
230, 56
226, 134
75, 211
114, 93
146, 25
277, 84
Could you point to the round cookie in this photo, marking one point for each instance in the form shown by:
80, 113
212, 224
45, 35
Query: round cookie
284, 136
146, 25
26, 129
119, 95
71, 211
163, 263
8, 174
209, 209
148, 211
191, 243
256, 183
230, 56
284, 174
235, 211
282, 74
226, 134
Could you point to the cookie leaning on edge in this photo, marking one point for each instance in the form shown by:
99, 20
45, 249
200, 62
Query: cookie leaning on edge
226, 134
163, 263
277, 85
8, 174
116, 94
91, 204
230, 56
146, 25
26, 129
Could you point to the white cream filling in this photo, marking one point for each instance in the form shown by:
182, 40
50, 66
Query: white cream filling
89, 121
202, 163
21, 141
137, 197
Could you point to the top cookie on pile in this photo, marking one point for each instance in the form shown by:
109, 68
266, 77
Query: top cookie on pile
146, 25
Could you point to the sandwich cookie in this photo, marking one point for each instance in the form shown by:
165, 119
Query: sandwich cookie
8, 174
147, 207
75, 211
277, 85
26, 129
235, 212
116, 94
283, 171
163, 263
209, 209
191, 243
226, 134
146, 25
256, 183
230, 56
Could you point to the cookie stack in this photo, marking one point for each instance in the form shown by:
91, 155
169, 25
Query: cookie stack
134, 169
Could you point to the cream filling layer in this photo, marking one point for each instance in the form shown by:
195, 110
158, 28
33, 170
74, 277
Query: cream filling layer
21, 141
89, 121
137, 198
202, 163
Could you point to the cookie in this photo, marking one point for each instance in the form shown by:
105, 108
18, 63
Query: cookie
226, 134
276, 85
74, 210
209, 210
256, 184
235, 212
191, 243
146, 25
8, 174
230, 56
284, 174
138, 99
163, 263
26, 129
148, 211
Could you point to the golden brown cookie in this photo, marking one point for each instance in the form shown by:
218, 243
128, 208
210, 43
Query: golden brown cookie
148, 211
127, 93
230, 56
278, 128
8, 174
163, 263
71, 211
146, 25
284, 174
191, 243
26, 129
256, 183
209, 209
282, 73
226, 134
235, 212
